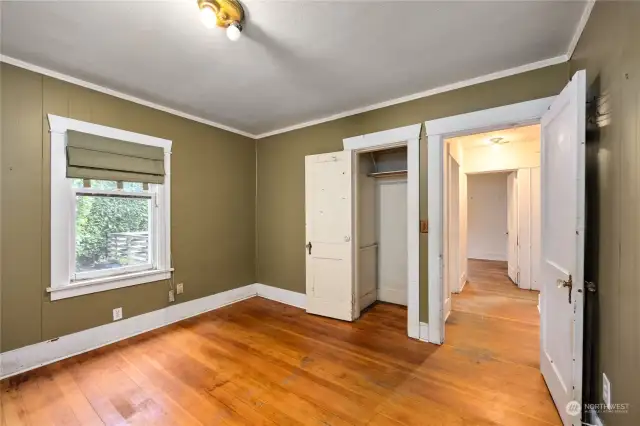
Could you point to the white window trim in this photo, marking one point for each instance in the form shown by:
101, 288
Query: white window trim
62, 229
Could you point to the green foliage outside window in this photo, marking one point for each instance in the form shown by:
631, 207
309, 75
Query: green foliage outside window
97, 217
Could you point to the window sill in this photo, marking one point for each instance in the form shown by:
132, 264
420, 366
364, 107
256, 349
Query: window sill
108, 283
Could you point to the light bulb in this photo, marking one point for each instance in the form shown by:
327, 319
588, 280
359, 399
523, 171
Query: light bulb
234, 31
208, 17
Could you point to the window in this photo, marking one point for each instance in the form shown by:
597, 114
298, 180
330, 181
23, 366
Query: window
109, 208
113, 228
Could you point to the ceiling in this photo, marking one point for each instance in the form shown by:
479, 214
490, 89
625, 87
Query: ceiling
297, 61
512, 135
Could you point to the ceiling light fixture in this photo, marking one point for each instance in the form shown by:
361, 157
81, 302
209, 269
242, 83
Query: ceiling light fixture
498, 141
222, 13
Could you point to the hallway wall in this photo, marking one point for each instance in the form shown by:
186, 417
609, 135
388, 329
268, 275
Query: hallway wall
487, 216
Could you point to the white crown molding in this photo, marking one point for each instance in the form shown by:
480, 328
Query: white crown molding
435, 91
115, 93
580, 28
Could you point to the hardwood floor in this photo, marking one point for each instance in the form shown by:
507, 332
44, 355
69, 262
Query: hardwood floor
259, 362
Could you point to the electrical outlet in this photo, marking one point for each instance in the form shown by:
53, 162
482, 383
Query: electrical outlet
117, 314
180, 288
606, 390
172, 297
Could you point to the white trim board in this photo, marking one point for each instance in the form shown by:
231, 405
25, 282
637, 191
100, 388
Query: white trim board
288, 297
437, 131
586, 13
436, 90
83, 83
33, 356
408, 136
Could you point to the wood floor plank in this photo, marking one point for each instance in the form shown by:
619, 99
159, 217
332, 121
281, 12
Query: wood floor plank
259, 362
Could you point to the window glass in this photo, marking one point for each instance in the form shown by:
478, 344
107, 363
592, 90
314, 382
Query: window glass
111, 232
110, 185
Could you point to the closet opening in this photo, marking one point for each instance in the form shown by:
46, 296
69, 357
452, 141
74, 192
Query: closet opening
381, 237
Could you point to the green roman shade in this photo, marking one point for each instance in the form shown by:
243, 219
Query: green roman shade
97, 157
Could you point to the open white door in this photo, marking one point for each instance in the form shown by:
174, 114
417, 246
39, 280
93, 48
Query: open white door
451, 234
562, 196
512, 226
329, 222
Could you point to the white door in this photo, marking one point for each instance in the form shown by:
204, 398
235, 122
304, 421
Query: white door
535, 228
512, 226
452, 238
454, 231
329, 245
562, 196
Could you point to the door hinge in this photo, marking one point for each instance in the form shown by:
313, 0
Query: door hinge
518, 277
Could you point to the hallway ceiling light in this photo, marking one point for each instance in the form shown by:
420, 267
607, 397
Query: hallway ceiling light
222, 13
498, 141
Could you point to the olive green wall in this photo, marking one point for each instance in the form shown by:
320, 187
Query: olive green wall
212, 212
280, 210
609, 50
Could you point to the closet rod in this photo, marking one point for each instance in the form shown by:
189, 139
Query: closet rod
390, 173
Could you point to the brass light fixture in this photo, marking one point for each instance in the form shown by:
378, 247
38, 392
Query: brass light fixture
222, 13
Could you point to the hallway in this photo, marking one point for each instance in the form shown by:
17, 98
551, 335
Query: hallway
492, 319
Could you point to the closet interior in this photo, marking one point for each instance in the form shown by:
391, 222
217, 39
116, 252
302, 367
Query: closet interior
382, 227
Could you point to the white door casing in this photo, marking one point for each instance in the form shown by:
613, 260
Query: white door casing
329, 225
520, 114
408, 136
512, 226
562, 253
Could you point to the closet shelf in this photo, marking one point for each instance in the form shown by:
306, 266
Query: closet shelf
390, 173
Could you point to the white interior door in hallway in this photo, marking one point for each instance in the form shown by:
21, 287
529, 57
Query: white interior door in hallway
512, 226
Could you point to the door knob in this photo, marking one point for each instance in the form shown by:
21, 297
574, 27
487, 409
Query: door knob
568, 284
309, 246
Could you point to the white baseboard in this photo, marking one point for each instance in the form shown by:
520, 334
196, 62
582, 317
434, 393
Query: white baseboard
392, 295
43, 353
463, 282
368, 299
288, 297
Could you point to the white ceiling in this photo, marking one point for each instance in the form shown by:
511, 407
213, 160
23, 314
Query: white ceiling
297, 60
512, 135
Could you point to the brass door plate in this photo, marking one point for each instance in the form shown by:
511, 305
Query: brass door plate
424, 226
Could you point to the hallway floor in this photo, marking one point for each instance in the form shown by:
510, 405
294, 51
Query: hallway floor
492, 320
